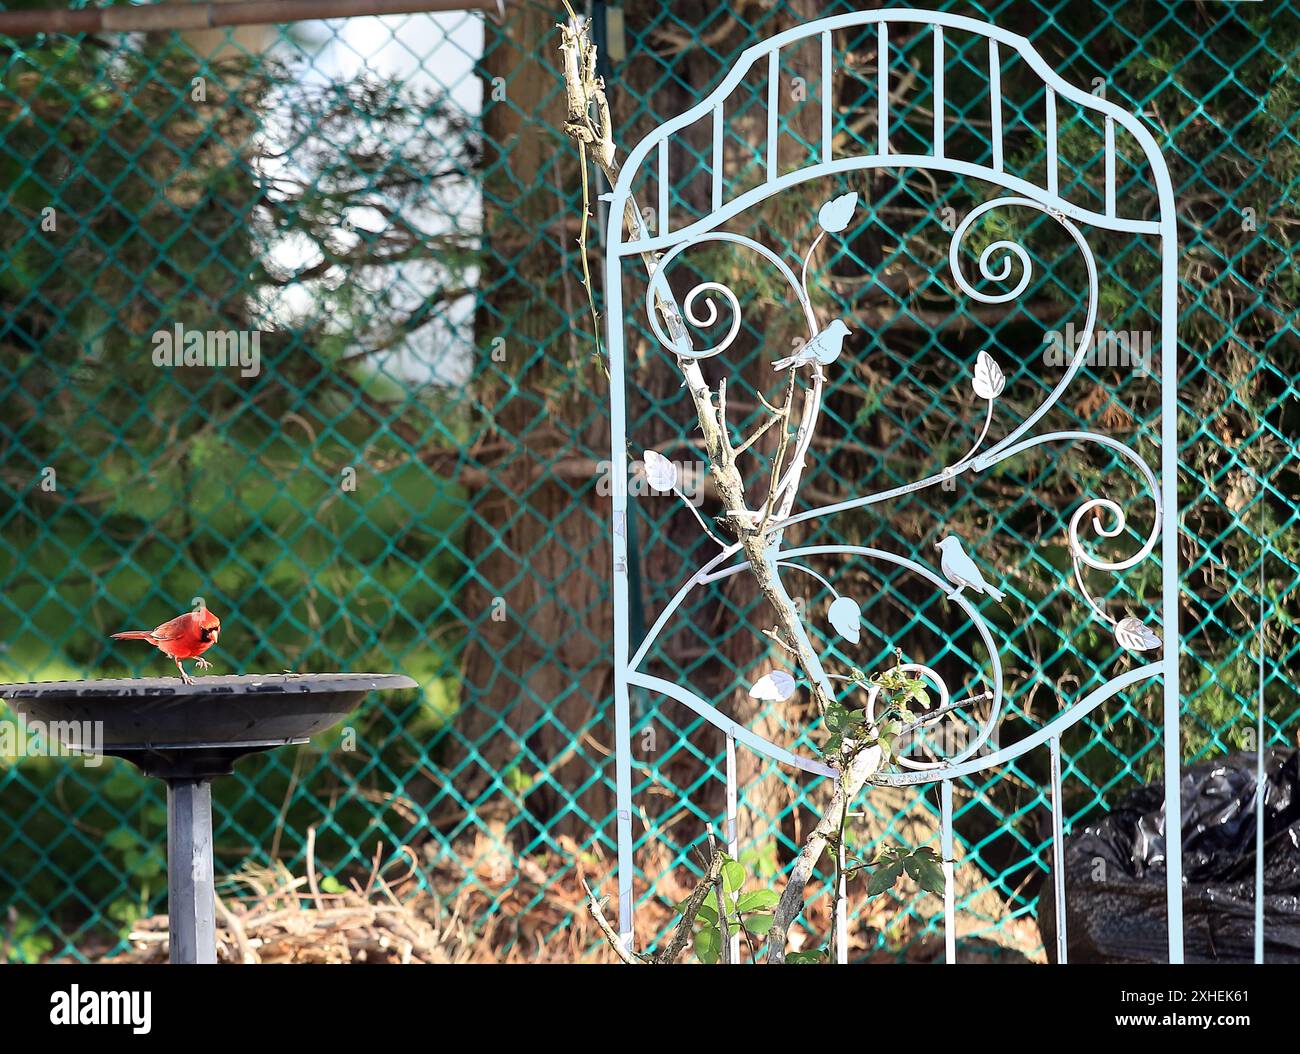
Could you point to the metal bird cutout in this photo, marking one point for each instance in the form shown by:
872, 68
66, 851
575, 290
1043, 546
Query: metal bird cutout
961, 571
824, 348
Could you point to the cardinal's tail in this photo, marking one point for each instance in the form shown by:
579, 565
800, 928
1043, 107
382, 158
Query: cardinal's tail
996, 594
134, 634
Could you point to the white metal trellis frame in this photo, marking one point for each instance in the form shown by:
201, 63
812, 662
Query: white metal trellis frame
670, 242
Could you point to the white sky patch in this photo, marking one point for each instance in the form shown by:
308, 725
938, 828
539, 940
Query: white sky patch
428, 54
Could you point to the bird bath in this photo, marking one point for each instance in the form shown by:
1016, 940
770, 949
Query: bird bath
187, 735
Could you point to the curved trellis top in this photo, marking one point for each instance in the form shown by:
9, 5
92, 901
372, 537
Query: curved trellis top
650, 156
957, 575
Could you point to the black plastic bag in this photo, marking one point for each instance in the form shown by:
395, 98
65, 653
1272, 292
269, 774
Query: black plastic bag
1115, 870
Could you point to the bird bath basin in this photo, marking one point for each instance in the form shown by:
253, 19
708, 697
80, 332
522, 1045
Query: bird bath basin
187, 735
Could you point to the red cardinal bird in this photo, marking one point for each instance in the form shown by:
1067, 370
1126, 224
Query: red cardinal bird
187, 636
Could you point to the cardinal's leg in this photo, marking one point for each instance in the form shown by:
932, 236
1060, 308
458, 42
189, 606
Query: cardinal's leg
185, 677
202, 663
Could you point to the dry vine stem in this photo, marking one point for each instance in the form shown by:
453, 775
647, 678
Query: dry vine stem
712, 879
588, 123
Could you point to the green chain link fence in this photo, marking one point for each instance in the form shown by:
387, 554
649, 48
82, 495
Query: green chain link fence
387, 209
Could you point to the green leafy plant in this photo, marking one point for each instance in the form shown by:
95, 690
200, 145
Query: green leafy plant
746, 912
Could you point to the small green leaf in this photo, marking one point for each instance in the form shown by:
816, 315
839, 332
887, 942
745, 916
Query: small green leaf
708, 944
121, 838
884, 878
758, 925
145, 865
834, 717
125, 911
733, 876
757, 900
805, 958
762, 860
516, 780
703, 911
121, 785
927, 871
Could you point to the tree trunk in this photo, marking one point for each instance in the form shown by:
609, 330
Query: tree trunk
538, 673
536, 663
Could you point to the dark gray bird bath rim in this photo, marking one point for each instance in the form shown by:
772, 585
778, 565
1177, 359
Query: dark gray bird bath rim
187, 735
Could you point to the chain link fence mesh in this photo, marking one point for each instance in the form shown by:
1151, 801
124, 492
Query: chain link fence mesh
404, 470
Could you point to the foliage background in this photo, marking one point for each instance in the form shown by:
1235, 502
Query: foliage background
406, 247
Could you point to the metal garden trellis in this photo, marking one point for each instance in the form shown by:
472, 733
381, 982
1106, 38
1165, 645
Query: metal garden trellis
670, 243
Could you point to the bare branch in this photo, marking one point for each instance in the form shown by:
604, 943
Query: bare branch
589, 125
723, 935
596, 908
684, 928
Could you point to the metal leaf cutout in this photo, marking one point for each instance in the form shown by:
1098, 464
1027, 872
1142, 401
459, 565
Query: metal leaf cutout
837, 213
989, 380
775, 687
1135, 635
846, 617
660, 473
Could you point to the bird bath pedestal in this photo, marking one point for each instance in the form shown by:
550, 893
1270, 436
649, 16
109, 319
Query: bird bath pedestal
187, 735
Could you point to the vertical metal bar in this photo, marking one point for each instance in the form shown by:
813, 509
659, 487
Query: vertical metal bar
882, 86
618, 501
1053, 184
719, 156
828, 99
1058, 848
623, 776
773, 114
841, 915
1260, 784
946, 851
1171, 689
995, 103
1110, 166
732, 833
191, 896
938, 91
663, 186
